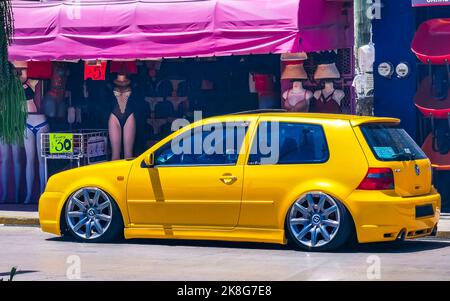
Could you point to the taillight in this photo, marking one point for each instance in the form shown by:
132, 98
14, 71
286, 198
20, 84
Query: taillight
378, 179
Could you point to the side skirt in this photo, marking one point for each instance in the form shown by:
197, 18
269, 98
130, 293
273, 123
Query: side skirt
236, 234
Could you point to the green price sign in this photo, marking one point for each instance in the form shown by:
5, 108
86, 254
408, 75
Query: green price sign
61, 143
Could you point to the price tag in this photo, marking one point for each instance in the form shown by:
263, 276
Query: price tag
94, 70
61, 143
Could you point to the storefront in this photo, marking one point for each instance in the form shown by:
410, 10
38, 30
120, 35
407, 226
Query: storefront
108, 78
412, 77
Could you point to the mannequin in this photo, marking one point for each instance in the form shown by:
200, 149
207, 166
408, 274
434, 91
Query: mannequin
122, 122
296, 99
9, 152
5, 170
328, 99
35, 125
54, 101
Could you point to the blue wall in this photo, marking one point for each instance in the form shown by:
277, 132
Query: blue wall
392, 35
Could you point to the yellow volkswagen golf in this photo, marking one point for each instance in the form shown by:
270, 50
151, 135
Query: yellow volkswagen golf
317, 181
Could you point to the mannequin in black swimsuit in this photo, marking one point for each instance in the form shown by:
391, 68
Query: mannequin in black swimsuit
122, 121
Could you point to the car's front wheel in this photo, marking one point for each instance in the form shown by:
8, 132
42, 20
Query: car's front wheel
91, 215
318, 222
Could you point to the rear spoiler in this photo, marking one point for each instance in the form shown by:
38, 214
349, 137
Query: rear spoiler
369, 120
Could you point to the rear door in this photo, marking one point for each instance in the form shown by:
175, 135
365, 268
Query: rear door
388, 145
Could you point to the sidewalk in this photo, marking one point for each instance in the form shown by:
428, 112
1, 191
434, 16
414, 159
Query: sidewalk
18, 214
444, 226
12, 214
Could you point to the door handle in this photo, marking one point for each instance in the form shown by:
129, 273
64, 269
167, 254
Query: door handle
228, 179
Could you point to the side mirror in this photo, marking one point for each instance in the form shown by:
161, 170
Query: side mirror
149, 160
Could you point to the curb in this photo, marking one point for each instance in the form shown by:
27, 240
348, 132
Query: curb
19, 221
443, 234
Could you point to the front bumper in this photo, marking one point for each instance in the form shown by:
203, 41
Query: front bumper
50, 204
383, 215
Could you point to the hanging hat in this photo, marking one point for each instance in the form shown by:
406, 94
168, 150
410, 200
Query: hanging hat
297, 56
294, 71
327, 71
20, 64
122, 81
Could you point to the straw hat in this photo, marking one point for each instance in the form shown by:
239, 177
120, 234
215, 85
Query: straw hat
294, 71
20, 64
327, 71
122, 81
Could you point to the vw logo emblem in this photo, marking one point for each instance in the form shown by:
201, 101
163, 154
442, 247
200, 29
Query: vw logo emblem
316, 219
417, 169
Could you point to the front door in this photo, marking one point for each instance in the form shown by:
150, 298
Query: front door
200, 186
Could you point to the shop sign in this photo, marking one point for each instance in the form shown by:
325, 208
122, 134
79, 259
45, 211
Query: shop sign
94, 70
430, 2
61, 143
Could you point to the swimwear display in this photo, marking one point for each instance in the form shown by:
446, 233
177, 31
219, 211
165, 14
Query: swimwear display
123, 108
35, 128
325, 104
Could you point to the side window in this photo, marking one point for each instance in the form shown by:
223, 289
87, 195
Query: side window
213, 144
288, 143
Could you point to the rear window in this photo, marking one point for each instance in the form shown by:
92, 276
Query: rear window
391, 143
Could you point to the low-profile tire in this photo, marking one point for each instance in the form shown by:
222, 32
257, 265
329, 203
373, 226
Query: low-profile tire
318, 222
91, 215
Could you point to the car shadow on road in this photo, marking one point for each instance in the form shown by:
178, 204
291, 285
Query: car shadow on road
408, 246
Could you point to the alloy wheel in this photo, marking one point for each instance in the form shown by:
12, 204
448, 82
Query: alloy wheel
314, 219
89, 213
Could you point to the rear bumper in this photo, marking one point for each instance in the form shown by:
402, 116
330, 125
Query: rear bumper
381, 216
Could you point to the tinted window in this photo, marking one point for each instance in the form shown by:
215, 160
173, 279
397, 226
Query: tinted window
391, 143
216, 144
288, 143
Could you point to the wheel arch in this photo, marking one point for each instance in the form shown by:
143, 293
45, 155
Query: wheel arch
121, 205
293, 197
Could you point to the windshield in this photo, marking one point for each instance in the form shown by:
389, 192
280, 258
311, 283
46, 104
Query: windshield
391, 143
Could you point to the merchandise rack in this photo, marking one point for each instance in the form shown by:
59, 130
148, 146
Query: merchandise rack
87, 147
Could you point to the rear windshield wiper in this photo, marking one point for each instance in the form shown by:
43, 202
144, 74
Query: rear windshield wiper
404, 156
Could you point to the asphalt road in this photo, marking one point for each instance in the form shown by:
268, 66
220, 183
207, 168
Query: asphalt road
40, 256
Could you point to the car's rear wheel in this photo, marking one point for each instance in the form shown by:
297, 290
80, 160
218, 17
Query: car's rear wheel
318, 222
91, 215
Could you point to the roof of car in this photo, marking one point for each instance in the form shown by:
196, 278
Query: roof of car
355, 120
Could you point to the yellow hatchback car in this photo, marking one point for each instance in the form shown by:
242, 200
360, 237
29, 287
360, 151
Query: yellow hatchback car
315, 180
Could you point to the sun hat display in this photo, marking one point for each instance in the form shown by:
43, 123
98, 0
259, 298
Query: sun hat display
326, 68
294, 70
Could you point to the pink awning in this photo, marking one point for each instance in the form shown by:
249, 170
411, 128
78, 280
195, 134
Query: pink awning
65, 30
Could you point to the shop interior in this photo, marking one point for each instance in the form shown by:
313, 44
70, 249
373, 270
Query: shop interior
84, 112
